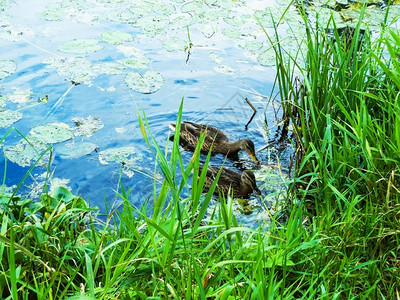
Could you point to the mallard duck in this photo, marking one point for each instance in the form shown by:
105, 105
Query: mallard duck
190, 134
242, 185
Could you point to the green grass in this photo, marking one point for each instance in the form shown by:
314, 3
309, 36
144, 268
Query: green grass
341, 238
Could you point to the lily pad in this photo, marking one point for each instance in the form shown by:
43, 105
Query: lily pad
267, 59
119, 155
163, 8
116, 37
251, 45
87, 126
148, 83
124, 155
5, 4
195, 7
141, 9
75, 68
121, 17
75, 150
7, 67
81, 46
25, 154
9, 117
3, 100
153, 25
53, 12
232, 33
139, 62
234, 21
52, 133
109, 68
181, 21
174, 44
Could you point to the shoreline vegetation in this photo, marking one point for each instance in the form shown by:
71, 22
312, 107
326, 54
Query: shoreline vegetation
340, 239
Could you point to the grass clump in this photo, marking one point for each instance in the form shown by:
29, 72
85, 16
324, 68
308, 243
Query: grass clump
345, 116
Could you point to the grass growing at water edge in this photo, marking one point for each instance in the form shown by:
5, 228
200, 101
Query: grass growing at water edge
345, 113
57, 249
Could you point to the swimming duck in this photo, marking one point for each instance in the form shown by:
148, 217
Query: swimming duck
242, 185
190, 133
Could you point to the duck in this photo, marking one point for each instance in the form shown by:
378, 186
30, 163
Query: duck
190, 133
242, 185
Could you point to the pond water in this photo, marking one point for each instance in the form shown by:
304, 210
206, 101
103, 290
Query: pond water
75, 74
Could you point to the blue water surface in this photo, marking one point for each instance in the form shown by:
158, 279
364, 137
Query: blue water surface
208, 96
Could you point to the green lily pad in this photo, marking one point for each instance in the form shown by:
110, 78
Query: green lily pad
7, 67
251, 45
81, 46
5, 4
195, 7
53, 12
232, 33
121, 17
78, 4
52, 133
234, 21
174, 44
163, 8
148, 83
212, 15
225, 4
8, 117
141, 9
123, 155
3, 101
153, 25
116, 37
109, 68
119, 155
181, 21
139, 62
75, 150
76, 68
267, 59
87, 126
25, 154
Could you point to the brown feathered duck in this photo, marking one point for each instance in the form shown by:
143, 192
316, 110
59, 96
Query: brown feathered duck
190, 133
242, 185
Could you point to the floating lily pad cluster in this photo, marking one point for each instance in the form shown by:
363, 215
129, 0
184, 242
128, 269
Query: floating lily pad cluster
169, 21
42, 137
31, 148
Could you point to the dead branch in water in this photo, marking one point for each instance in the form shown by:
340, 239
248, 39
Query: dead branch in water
254, 112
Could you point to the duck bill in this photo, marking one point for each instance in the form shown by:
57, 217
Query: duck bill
254, 158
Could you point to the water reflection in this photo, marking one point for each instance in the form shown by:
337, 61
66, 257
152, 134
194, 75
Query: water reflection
213, 83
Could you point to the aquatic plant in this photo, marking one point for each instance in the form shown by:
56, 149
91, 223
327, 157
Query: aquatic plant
343, 109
